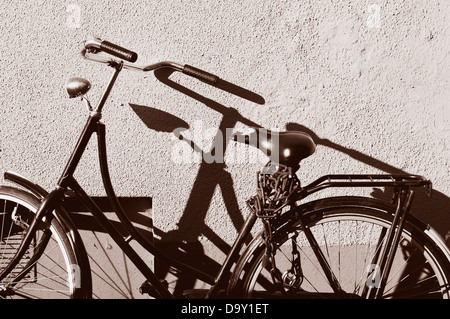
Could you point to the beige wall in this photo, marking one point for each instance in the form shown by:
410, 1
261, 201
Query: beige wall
369, 78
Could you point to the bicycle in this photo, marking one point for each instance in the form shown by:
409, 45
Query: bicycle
303, 250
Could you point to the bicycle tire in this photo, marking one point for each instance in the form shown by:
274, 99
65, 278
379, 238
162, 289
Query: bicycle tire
420, 269
57, 274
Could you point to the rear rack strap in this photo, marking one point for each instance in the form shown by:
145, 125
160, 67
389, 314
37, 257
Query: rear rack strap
361, 180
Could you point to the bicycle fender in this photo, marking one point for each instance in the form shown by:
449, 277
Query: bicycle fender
40, 193
26, 183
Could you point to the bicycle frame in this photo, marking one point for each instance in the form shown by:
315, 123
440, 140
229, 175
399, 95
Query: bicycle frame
67, 181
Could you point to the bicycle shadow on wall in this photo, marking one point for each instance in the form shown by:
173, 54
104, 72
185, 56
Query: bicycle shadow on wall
184, 243
434, 210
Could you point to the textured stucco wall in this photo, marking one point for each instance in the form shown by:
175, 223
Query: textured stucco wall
369, 80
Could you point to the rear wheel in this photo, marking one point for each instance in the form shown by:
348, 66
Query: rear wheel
57, 273
350, 233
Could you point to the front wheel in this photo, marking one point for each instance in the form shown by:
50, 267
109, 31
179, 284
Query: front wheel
57, 273
350, 232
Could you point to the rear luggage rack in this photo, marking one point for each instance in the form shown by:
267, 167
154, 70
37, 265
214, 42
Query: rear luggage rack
361, 180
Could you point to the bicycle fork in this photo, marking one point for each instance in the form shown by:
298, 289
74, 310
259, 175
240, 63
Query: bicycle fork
384, 260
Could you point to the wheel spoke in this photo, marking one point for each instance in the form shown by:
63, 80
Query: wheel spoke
48, 276
415, 272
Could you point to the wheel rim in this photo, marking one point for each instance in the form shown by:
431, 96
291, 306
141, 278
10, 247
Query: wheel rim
347, 241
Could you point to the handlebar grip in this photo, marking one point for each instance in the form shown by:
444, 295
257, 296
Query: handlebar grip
200, 74
118, 51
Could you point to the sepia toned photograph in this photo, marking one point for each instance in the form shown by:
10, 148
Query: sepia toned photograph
252, 152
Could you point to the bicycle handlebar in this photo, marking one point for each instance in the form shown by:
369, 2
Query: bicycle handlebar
118, 51
95, 45
200, 74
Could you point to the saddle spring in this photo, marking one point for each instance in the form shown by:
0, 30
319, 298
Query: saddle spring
277, 187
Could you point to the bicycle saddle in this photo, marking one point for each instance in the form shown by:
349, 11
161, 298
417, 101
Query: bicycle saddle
286, 148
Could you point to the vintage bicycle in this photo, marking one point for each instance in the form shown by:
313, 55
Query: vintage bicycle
333, 247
